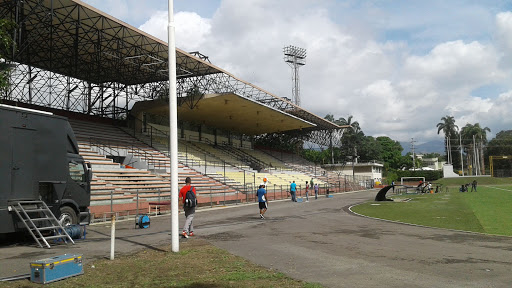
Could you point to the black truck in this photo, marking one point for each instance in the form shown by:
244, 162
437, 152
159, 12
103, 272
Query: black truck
39, 160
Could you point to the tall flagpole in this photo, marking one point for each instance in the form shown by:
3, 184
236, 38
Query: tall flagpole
173, 126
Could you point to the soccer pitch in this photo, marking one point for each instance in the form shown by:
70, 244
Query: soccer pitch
487, 211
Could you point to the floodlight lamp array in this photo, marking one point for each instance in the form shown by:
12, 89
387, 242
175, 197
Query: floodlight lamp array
294, 51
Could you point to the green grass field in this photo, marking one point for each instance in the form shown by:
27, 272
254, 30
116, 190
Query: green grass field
198, 264
486, 211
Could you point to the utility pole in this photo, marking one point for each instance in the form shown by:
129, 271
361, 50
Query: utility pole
413, 155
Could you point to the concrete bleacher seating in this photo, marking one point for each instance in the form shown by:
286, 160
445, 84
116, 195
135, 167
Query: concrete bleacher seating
114, 184
97, 160
117, 185
297, 163
110, 140
192, 155
219, 154
266, 158
282, 180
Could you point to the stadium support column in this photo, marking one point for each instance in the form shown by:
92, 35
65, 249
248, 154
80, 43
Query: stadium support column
89, 96
173, 126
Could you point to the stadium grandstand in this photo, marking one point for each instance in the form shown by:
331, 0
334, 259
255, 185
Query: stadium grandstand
111, 81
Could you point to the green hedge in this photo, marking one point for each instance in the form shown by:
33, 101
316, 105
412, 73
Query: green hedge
429, 175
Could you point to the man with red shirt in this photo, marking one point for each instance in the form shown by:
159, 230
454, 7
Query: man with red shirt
188, 228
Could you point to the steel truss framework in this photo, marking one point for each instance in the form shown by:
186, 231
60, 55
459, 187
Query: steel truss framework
73, 57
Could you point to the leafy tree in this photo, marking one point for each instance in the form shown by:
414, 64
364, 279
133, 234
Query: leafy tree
286, 142
406, 162
432, 155
369, 149
429, 175
352, 138
501, 145
6, 46
391, 152
329, 117
316, 156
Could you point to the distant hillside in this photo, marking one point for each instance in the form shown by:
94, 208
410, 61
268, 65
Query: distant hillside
427, 147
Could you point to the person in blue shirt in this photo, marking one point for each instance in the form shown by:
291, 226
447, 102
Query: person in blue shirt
262, 200
293, 189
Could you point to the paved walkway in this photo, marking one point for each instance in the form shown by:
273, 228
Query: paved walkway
318, 241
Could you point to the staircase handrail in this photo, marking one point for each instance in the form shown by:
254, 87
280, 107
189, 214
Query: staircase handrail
153, 132
243, 157
108, 146
201, 150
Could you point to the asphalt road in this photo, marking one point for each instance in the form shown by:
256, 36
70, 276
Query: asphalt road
317, 241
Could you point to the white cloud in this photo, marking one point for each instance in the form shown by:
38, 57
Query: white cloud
132, 12
351, 69
457, 65
504, 28
190, 28
157, 25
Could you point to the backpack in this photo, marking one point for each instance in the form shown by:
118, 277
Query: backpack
190, 199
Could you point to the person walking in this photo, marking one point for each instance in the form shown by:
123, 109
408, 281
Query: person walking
473, 185
188, 228
307, 188
293, 190
262, 200
316, 191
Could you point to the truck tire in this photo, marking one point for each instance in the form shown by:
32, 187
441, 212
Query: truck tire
67, 216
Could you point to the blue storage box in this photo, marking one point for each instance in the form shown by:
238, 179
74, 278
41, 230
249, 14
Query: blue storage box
56, 268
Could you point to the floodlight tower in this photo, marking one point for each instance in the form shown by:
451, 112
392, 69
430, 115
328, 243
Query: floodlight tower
295, 57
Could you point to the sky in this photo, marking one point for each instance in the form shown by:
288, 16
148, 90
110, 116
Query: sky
396, 66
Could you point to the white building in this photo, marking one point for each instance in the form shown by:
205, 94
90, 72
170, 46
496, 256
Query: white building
372, 170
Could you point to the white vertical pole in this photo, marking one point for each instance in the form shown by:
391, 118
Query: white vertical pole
173, 135
477, 159
461, 159
113, 237
474, 157
449, 150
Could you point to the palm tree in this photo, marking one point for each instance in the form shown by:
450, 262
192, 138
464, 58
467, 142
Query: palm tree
467, 141
448, 126
475, 137
352, 136
483, 141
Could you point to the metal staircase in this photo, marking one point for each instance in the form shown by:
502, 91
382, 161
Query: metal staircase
40, 222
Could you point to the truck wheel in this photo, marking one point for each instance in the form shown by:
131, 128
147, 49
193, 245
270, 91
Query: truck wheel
67, 216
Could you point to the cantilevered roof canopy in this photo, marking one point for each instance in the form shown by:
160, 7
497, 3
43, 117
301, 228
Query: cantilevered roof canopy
74, 39
231, 113
71, 38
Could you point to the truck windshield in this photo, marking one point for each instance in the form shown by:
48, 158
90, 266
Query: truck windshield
76, 171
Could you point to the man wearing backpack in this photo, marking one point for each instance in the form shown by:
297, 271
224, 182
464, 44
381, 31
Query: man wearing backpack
262, 200
188, 194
